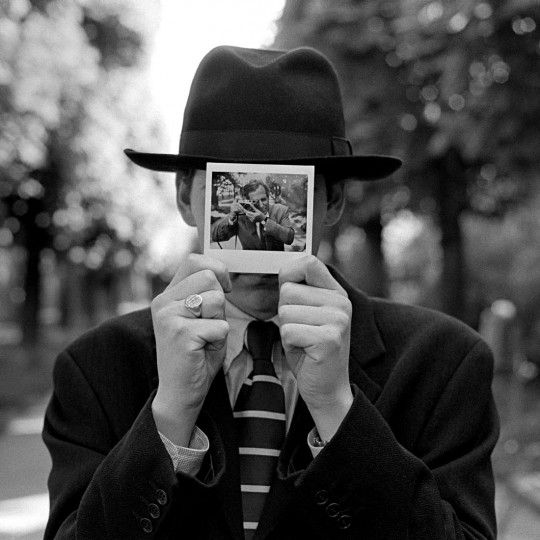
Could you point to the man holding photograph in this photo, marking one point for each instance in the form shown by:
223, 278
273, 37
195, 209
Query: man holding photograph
271, 406
257, 224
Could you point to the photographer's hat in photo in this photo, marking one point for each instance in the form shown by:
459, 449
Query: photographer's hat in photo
267, 106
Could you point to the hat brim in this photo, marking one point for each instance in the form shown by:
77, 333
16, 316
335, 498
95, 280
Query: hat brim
364, 167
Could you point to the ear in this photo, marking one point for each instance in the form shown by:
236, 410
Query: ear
183, 199
335, 204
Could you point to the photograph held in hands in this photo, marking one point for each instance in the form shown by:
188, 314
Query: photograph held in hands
258, 216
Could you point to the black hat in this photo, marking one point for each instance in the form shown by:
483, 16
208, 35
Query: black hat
266, 106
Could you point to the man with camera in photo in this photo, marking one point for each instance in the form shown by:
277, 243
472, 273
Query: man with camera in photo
257, 223
271, 406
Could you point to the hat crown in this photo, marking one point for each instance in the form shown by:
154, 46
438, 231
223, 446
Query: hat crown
267, 106
238, 89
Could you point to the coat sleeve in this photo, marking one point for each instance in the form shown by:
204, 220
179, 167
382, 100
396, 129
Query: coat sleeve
103, 485
221, 230
365, 484
279, 225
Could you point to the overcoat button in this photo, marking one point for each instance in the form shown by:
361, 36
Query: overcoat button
321, 497
344, 522
161, 497
333, 510
154, 510
146, 525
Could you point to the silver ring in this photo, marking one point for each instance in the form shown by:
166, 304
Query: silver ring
194, 304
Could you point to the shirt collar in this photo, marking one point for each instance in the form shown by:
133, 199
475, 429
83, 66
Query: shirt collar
238, 322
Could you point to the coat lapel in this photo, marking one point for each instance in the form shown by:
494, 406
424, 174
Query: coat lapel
366, 341
250, 231
217, 407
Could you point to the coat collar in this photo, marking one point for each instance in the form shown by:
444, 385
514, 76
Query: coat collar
366, 341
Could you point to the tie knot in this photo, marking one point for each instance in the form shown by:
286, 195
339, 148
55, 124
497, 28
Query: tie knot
260, 339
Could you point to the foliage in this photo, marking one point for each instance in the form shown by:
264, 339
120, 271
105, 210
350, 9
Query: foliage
412, 256
449, 86
72, 95
501, 261
454, 74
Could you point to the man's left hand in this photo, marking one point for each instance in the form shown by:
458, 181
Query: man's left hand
256, 216
315, 315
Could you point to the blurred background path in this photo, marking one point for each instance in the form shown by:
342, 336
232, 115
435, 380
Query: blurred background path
25, 386
24, 501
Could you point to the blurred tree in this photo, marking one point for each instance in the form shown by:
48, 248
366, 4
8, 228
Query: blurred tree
452, 88
72, 95
226, 183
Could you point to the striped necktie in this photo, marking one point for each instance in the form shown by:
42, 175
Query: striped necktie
261, 234
259, 415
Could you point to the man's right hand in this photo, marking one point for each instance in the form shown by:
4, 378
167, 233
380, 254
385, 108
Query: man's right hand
190, 350
235, 210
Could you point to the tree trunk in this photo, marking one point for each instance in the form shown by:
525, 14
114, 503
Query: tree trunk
451, 180
375, 281
34, 243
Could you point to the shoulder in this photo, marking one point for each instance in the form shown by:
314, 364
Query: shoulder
403, 322
412, 344
403, 327
109, 372
279, 209
131, 330
220, 222
122, 347
429, 343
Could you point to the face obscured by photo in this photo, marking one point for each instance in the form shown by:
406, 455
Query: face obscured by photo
259, 199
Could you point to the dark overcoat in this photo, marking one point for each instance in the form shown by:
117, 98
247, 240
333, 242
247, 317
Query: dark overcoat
410, 461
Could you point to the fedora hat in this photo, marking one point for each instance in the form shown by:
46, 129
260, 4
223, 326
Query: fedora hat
267, 106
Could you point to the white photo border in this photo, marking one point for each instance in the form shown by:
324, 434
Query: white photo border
258, 261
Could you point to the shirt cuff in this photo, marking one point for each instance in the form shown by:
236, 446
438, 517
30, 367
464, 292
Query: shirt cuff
188, 460
315, 450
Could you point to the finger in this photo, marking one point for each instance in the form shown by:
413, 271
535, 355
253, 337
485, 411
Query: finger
291, 293
196, 262
313, 316
197, 283
212, 307
207, 334
216, 345
303, 336
311, 271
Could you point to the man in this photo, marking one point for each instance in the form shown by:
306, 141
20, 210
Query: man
257, 224
385, 410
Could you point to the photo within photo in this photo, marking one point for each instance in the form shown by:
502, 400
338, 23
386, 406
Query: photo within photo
262, 209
